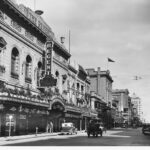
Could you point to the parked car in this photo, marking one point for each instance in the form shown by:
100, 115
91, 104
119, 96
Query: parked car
68, 128
146, 128
94, 129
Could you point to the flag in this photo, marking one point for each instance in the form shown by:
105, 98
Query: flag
110, 60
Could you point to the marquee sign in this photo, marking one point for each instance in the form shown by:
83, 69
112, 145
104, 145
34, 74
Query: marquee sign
48, 81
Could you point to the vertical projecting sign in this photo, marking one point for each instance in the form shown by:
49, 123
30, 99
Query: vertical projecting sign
49, 48
48, 80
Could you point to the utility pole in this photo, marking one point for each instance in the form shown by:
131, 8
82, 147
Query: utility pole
34, 5
69, 45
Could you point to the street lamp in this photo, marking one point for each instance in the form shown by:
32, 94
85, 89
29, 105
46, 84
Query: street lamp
10, 118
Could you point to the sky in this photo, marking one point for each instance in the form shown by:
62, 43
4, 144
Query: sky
118, 29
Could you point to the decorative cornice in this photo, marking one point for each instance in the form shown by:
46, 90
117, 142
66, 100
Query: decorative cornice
60, 64
20, 37
72, 69
22, 100
16, 10
62, 48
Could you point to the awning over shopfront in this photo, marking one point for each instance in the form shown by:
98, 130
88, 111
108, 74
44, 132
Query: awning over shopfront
118, 120
86, 115
92, 115
72, 109
70, 115
23, 101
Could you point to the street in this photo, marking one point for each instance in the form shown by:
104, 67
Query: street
115, 137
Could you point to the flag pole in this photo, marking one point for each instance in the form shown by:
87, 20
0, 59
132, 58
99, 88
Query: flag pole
34, 4
69, 41
69, 45
107, 63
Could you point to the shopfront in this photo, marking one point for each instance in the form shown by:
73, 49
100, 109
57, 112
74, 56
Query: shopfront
22, 119
74, 118
57, 114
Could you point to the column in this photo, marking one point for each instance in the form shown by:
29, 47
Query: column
80, 124
85, 123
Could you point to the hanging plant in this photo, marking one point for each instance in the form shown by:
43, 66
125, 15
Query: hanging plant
29, 94
65, 92
22, 92
56, 91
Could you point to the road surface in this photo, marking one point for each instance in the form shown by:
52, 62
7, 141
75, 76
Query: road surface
115, 137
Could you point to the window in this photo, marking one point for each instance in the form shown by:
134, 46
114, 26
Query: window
1, 15
28, 69
39, 72
57, 74
78, 86
15, 63
82, 88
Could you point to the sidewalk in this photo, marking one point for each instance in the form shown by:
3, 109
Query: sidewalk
32, 137
43, 136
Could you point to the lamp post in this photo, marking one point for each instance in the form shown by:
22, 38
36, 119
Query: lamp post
10, 118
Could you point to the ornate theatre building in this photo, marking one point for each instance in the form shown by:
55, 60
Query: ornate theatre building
37, 82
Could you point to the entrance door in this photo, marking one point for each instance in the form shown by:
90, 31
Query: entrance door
22, 124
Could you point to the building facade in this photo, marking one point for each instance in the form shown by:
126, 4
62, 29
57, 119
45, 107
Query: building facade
37, 82
136, 101
22, 46
101, 85
124, 105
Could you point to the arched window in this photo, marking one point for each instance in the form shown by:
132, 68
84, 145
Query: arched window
57, 74
39, 72
28, 69
15, 63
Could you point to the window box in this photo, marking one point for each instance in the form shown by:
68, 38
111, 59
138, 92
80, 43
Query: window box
14, 75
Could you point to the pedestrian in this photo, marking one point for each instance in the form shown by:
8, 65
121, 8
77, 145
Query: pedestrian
47, 128
104, 128
51, 127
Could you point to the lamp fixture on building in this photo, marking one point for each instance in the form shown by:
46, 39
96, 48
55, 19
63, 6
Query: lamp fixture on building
62, 40
39, 12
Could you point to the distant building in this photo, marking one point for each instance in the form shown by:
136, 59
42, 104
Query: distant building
101, 83
121, 97
137, 106
101, 87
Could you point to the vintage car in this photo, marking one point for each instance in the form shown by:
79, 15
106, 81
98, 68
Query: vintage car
68, 128
146, 129
94, 129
